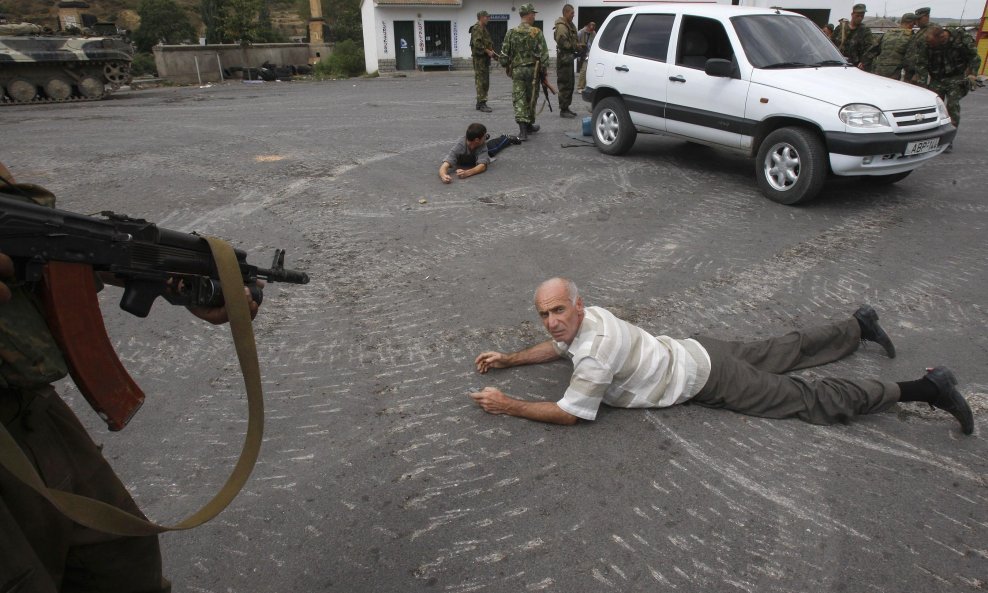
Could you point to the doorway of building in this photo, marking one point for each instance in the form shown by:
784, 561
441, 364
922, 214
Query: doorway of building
404, 45
498, 30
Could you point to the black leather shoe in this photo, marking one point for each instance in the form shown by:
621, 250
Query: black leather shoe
949, 399
871, 331
532, 128
483, 107
522, 132
567, 113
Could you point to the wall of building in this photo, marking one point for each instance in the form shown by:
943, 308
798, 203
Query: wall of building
379, 31
177, 63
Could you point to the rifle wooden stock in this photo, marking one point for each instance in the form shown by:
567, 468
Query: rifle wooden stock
74, 317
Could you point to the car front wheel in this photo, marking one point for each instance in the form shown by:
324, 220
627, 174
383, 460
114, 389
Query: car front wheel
613, 132
791, 166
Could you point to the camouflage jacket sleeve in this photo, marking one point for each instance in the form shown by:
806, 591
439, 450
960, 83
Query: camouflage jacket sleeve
29, 356
967, 45
543, 49
565, 36
873, 52
915, 59
863, 41
507, 48
480, 40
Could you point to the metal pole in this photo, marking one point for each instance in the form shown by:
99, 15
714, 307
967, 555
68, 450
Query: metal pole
220, 66
199, 76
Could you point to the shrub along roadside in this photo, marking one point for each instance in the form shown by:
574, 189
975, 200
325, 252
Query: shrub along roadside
346, 60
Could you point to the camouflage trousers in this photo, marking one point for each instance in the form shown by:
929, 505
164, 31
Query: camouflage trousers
522, 87
482, 77
951, 90
565, 79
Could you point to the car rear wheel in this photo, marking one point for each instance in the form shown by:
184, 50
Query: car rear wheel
791, 166
613, 132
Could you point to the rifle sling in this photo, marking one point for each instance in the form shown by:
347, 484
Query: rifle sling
107, 518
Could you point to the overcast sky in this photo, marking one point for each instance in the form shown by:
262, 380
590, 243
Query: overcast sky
972, 9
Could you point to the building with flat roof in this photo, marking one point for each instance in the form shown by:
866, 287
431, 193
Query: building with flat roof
410, 34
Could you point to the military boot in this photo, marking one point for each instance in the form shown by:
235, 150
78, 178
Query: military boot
532, 128
522, 132
482, 106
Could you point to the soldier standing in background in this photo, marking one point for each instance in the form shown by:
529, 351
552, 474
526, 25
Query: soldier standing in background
951, 63
853, 38
916, 52
567, 46
523, 53
483, 50
585, 37
887, 57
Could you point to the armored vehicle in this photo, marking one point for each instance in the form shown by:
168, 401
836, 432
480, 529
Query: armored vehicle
48, 68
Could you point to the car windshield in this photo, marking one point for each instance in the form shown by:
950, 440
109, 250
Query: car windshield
785, 41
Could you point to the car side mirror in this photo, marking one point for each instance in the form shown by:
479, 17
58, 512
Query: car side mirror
719, 67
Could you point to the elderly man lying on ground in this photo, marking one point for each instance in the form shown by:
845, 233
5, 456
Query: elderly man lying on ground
621, 365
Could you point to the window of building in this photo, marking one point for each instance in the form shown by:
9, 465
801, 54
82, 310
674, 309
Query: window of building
438, 38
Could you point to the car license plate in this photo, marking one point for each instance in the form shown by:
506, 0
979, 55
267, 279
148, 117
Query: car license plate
922, 146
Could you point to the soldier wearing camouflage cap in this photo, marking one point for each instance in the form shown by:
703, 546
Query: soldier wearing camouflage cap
887, 57
853, 38
482, 49
916, 53
524, 51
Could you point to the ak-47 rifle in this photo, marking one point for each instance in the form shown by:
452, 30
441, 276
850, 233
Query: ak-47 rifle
62, 251
540, 78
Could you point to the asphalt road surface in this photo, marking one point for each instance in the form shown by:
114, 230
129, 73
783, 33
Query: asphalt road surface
378, 473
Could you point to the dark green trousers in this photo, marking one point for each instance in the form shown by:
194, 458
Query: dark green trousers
748, 377
41, 550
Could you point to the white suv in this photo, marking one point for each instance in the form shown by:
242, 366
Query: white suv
762, 82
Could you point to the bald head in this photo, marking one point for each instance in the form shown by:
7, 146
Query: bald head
558, 285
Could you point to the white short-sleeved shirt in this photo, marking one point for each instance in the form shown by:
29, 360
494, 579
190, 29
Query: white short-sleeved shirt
622, 365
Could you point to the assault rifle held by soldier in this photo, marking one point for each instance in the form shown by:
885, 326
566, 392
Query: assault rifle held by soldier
541, 79
63, 250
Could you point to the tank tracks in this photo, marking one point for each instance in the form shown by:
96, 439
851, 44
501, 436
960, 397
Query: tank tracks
108, 77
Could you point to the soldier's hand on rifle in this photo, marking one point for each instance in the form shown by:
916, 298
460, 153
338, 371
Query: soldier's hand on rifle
218, 315
6, 271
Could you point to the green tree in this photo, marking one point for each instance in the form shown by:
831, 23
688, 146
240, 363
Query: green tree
240, 20
162, 20
266, 31
212, 12
343, 17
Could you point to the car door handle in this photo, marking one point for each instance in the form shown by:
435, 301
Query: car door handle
621, 68
677, 78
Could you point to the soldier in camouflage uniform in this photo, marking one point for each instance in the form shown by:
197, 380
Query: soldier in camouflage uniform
888, 55
41, 550
853, 38
524, 48
567, 46
482, 48
915, 58
952, 61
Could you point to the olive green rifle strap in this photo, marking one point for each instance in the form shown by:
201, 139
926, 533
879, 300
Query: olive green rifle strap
107, 518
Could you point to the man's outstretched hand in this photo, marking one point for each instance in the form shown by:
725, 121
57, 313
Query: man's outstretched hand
491, 360
492, 400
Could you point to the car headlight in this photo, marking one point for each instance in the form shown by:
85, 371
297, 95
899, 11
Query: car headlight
859, 115
942, 109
